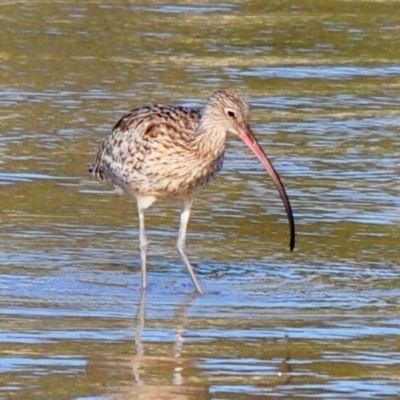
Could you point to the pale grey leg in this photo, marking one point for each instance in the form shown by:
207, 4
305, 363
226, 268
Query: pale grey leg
143, 243
143, 203
181, 243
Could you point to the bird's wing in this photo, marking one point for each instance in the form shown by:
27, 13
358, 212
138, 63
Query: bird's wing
136, 133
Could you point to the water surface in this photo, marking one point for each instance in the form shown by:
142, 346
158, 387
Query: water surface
322, 82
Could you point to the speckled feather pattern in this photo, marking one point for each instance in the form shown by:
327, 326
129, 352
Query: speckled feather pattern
165, 151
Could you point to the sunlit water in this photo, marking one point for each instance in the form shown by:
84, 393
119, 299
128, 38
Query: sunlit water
323, 321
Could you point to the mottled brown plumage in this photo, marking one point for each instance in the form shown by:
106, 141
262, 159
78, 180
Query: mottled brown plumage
173, 152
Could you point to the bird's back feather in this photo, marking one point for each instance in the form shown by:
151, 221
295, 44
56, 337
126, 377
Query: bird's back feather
152, 150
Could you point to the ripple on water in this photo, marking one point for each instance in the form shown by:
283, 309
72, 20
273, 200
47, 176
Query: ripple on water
319, 72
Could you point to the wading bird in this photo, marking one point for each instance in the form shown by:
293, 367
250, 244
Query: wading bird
173, 152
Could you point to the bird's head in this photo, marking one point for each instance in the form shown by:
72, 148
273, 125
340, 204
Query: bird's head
227, 111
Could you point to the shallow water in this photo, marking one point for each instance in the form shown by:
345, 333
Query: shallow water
322, 82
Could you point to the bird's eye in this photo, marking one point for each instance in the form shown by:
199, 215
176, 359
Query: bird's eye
231, 113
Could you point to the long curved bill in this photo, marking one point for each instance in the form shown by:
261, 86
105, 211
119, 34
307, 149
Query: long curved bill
248, 137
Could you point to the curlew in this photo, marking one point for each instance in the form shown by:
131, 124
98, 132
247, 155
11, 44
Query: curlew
173, 152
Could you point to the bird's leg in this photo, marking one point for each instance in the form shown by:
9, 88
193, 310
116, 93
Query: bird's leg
143, 203
143, 243
181, 243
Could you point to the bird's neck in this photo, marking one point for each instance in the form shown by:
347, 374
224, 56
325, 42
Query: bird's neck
210, 140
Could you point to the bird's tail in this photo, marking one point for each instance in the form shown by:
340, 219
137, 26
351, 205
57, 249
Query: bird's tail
96, 170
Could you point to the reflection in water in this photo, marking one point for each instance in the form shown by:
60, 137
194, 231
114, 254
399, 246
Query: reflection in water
180, 373
140, 384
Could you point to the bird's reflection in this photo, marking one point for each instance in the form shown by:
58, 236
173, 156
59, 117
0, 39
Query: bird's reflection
148, 366
145, 367
140, 319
